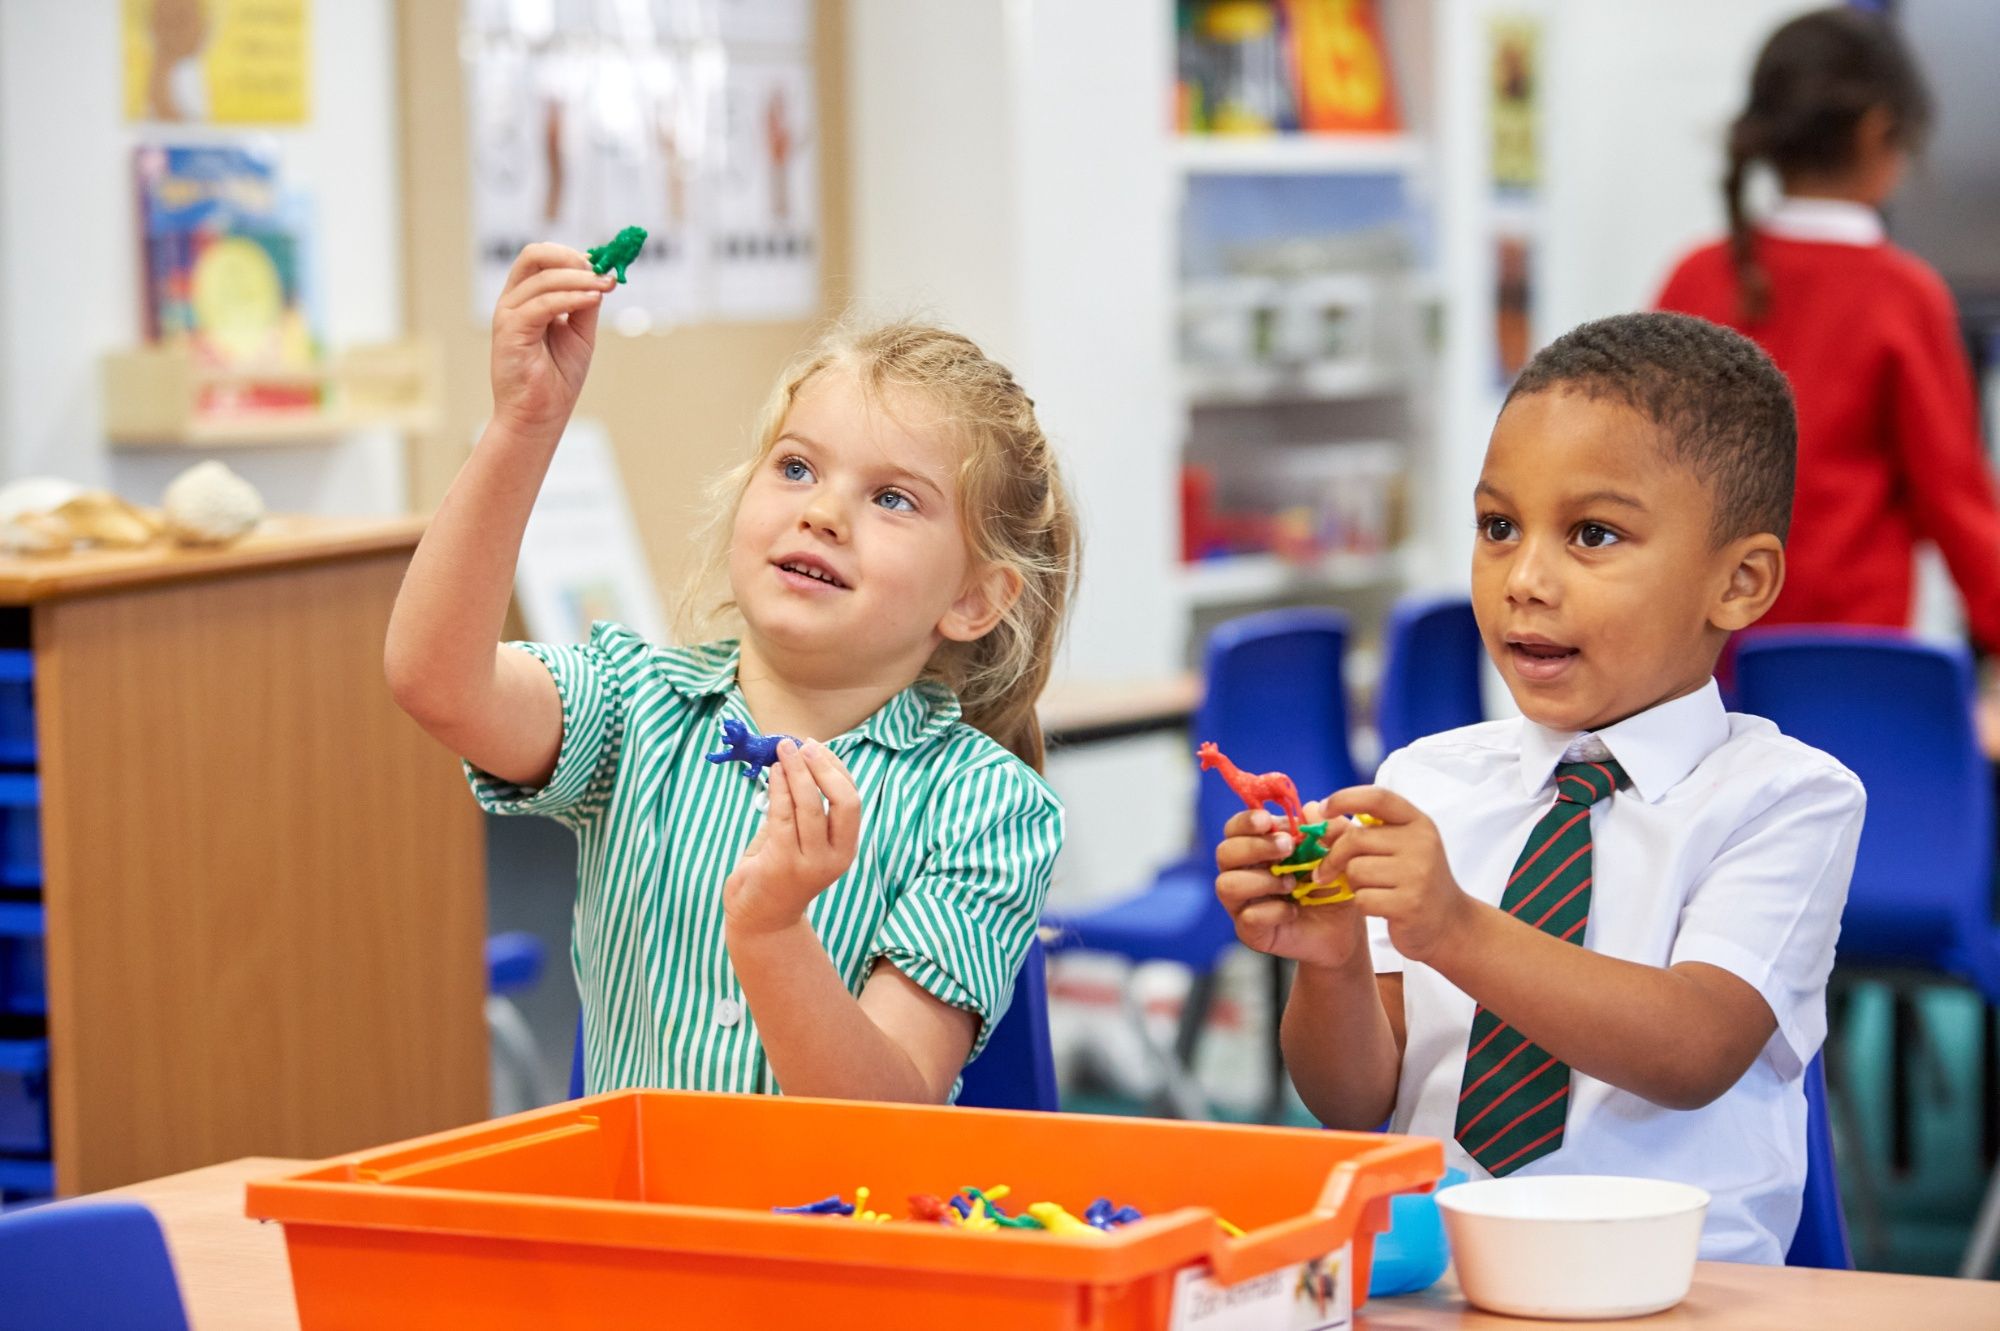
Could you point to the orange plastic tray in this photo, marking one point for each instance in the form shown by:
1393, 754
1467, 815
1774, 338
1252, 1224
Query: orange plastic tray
653, 1208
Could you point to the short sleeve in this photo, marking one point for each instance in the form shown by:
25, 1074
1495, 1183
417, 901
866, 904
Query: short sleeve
960, 927
1767, 908
593, 715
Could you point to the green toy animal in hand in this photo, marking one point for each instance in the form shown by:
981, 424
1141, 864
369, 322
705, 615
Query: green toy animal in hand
620, 250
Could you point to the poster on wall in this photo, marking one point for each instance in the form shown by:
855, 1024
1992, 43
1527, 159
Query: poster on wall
1514, 53
693, 119
786, 23
224, 62
513, 124
581, 560
765, 243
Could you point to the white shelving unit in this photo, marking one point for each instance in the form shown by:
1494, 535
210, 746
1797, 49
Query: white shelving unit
1242, 578
1274, 408
1297, 154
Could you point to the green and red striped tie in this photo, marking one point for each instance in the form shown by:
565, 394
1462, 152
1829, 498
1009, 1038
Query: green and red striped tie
1514, 1097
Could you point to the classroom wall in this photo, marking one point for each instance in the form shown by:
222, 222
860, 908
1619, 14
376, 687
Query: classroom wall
69, 251
1010, 178
1636, 101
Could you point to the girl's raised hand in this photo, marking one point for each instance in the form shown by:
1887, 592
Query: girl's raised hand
808, 840
1260, 902
540, 357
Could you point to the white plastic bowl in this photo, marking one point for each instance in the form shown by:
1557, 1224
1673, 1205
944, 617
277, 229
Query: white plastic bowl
1575, 1245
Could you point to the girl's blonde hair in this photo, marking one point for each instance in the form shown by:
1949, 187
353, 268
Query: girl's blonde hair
1016, 510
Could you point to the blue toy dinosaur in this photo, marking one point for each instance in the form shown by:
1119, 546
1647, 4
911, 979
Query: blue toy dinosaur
755, 752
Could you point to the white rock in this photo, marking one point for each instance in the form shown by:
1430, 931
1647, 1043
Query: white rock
208, 504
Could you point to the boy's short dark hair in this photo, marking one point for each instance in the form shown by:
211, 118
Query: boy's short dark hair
1721, 407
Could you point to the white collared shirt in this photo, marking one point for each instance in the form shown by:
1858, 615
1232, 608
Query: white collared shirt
1828, 221
1731, 845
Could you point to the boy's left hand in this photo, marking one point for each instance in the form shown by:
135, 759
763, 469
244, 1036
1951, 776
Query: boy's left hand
1398, 871
808, 840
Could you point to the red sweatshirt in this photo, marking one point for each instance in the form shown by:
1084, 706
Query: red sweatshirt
1889, 447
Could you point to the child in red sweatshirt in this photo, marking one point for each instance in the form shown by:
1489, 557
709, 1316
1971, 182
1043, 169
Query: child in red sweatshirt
1889, 446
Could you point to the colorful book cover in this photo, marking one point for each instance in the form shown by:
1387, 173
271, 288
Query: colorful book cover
224, 258
1341, 66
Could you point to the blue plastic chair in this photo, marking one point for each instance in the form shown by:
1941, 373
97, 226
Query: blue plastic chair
1898, 713
1431, 655
1821, 1239
1016, 1070
1274, 699
514, 964
102, 1265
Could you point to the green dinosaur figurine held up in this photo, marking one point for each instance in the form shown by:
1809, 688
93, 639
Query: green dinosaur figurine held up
620, 250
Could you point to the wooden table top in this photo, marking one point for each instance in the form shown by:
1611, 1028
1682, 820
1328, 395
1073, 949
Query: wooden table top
279, 542
234, 1277
232, 1269
1075, 712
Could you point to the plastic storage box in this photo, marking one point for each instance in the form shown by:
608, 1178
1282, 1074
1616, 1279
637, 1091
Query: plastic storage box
17, 708
24, 1097
20, 830
653, 1208
22, 991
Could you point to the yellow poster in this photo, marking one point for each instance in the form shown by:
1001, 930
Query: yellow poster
1517, 59
225, 62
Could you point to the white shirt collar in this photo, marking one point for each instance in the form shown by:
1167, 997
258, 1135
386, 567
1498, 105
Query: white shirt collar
1656, 748
1829, 221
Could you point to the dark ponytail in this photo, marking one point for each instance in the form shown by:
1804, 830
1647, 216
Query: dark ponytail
1814, 80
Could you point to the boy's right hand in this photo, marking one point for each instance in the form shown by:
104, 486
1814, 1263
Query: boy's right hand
540, 358
1260, 902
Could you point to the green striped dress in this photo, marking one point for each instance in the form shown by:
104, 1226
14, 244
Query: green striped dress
958, 838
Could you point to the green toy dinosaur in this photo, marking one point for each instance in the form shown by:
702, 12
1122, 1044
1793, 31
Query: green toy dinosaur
620, 250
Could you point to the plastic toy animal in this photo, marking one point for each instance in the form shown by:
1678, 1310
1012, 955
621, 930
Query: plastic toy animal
620, 250
1256, 789
739, 745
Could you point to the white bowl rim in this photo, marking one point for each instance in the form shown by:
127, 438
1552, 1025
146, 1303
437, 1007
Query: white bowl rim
1466, 1198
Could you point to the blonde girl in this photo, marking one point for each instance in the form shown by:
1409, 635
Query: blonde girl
899, 556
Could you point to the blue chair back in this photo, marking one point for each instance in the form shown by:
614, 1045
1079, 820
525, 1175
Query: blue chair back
1016, 1070
1821, 1239
1431, 655
1274, 700
1898, 713
101, 1265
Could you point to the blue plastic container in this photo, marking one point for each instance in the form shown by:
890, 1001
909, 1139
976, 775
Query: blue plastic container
20, 830
1413, 1253
24, 1097
17, 708
22, 988
26, 1180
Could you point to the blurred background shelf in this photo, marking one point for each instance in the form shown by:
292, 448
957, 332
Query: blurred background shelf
155, 397
1242, 579
1297, 154
1249, 385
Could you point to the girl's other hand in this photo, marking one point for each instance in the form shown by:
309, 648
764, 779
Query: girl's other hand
544, 330
808, 840
1260, 902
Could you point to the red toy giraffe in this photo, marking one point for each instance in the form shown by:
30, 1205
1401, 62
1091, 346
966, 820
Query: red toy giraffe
1256, 790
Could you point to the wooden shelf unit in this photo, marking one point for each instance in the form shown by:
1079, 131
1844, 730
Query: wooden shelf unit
264, 887
153, 397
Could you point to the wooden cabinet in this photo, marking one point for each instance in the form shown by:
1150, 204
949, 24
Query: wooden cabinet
263, 886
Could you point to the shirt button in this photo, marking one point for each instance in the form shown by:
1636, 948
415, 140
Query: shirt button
728, 1012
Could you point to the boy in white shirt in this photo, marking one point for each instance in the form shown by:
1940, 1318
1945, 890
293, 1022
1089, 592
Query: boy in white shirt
1594, 938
